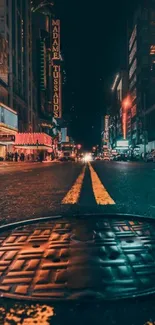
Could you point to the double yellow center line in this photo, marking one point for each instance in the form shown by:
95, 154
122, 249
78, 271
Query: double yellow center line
73, 195
101, 195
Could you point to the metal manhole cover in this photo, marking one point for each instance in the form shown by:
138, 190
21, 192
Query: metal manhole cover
109, 259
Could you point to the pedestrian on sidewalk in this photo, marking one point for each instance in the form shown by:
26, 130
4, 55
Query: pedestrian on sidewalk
41, 156
16, 156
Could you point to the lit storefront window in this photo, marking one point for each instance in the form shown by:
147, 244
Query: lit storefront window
152, 50
8, 117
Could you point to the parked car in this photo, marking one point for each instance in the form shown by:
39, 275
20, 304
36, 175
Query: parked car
117, 157
98, 158
150, 156
106, 158
112, 157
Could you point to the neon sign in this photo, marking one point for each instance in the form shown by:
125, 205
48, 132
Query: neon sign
56, 92
56, 69
56, 39
106, 129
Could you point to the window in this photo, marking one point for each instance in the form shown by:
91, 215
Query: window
133, 113
134, 94
133, 52
132, 38
152, 50
133, 68
132, 82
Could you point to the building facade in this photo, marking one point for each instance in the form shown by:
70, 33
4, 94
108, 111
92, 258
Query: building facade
17, 88
141, 116
118, 117
47, 67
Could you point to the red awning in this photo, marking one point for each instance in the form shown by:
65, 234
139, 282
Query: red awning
33, 140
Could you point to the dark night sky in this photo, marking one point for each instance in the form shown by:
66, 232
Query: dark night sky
94, 45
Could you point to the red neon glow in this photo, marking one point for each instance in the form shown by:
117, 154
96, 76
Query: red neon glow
124, 122
126, 105
33, 139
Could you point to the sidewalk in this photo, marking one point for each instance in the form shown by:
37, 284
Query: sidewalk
12, 163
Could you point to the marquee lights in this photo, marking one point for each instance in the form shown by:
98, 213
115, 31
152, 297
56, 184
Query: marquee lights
33, 139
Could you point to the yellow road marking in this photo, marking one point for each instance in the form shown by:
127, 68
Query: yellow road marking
101, 195
72, 196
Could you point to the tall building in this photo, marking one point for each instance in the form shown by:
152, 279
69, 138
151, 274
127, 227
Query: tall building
118, 117
17, 90
42, 68
47, 66
141, 117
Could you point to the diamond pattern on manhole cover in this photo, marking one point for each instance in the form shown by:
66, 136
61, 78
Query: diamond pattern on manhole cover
109, 259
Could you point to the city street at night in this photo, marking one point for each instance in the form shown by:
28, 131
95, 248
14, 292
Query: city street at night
77, 162
36, 190
85, 252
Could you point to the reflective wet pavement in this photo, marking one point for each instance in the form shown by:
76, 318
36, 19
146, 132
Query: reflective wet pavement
78, 259
37, 190
107, 261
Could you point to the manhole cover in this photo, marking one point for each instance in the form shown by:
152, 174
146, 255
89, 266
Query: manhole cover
78, 259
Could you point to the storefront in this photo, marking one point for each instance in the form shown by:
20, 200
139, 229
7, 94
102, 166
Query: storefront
122, 146
8, 130
33, 146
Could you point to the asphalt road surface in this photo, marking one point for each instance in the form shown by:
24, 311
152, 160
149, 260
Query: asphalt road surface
37, 190
114, 257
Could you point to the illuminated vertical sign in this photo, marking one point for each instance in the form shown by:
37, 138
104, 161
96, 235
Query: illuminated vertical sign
56, 68
56, 92
56, 39
106, 129
42, 65
124, 124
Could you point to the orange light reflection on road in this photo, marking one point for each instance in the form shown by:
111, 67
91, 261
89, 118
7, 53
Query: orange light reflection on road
27, 315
